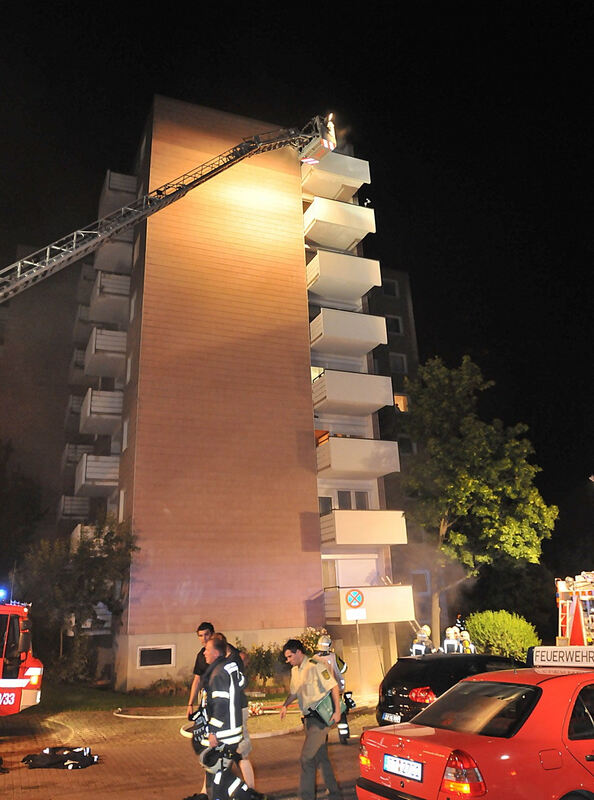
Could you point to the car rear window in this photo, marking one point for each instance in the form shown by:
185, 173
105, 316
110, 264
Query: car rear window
485, 708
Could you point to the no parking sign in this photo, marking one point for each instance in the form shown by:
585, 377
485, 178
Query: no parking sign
355, 609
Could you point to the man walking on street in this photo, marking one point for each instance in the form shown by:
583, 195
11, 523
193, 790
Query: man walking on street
204, 631
311, 682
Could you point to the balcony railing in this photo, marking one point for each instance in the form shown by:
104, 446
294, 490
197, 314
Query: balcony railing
337, 226
345, 333
96, 476
347, 605
336, 176
101, 412
341, 278
110, 298
106, 353
348, 457
363, 527
74, 508
356, 393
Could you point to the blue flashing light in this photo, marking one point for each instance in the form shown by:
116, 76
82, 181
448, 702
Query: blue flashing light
3, 593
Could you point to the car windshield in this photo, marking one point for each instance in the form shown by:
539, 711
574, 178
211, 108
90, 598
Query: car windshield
487, 708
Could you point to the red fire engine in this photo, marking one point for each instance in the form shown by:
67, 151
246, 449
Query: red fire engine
20, 671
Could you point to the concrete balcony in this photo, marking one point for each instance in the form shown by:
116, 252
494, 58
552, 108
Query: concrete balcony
76, 371
352, 527
116, 255
106, 353
337, 226
342, 457
117, 191
378, 604
341, 278
96, 476
72, 418
74, 508
354, 393
110, 299
336, 176
345, 333
101, 412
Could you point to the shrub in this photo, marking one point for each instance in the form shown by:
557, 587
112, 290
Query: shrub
310, 637
501, 633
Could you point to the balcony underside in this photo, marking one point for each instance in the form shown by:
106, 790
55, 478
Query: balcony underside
351, 393
342, 457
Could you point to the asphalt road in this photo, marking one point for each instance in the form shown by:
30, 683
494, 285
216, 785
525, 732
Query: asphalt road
142, 758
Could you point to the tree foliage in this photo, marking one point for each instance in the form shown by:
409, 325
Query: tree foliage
472, 481
501, 634
20, 510
65, 584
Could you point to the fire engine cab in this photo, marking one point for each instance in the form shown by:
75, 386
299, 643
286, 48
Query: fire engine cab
20, 671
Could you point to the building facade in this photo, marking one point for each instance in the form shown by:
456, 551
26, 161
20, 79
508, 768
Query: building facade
228, 378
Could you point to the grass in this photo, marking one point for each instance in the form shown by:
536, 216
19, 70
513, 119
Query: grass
57, 696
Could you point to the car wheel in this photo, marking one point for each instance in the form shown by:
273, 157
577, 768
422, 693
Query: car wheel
574, 796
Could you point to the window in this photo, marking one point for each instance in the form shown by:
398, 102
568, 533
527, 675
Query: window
361, 501
581, 724
156, 656
124, 435
398, 363
401, 402
132, 306
391, 287
316, 372
128, 369
121, 505
325, 505
344, 500
393, 324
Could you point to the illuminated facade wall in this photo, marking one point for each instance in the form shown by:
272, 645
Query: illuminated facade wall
219, 473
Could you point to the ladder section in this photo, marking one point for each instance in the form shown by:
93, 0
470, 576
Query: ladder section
41, 264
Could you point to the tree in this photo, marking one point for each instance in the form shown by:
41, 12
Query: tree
65, 584
20, 511
471, 481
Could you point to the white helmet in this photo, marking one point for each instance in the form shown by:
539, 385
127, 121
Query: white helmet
212, 759
324, 642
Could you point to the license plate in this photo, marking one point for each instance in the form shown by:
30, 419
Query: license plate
404, 767
391, 717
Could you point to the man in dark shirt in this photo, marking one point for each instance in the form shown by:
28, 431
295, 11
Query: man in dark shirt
204, 631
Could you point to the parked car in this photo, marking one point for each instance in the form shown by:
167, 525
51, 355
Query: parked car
415, 681
511, 735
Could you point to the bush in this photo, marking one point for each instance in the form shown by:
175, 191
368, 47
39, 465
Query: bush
310, 637
501, 634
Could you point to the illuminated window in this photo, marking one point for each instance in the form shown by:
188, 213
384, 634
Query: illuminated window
132, 306
393, 324
121, 503
128, 369
398, 363
316, 372
401, 402
124, 435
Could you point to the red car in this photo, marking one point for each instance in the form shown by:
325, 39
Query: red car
524, 734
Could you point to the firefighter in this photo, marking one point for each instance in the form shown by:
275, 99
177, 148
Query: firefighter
338, 667
422, 643
466, 644
451, 643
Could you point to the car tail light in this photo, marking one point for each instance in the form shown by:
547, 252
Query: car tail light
462, 776
423, 694
364, 759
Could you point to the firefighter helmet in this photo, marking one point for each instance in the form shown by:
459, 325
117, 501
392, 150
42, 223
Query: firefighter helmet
426, 630
213, 759
324, 642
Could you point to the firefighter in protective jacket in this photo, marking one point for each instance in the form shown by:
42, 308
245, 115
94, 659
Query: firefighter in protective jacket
337, 669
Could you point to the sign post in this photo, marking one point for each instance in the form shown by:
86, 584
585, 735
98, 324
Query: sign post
355, 610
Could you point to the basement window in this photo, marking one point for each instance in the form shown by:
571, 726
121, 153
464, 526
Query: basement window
160, 655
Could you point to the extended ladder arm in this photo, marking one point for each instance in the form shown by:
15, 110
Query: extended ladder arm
314, 139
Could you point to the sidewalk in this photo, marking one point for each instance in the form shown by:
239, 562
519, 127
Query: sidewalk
143, 758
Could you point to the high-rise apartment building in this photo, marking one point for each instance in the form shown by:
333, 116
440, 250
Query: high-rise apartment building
225, 400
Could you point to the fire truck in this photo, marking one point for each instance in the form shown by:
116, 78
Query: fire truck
20, 671
575, 601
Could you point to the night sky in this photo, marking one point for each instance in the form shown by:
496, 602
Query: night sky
477, 122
